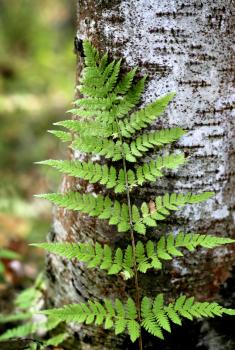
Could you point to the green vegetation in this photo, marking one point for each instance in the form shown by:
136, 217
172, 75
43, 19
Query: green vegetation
27, 304
37, 71
108, 126
37, 67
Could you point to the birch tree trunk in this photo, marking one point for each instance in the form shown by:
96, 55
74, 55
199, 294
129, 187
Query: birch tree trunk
184, 46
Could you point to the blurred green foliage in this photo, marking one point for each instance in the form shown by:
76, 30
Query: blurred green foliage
37, 76
36, 46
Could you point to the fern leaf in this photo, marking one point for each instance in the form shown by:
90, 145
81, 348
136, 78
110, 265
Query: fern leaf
111, 82
160, 313
103, 62
156, 316
107, 78
230, 312
105, 128
20, 331
142, 118
67, 250
147, 256
107, 148
166, 248
158, 138
172, 315
131, 309
192, 241
97, 104
125, 83
9, 254
117, 315
128, 260
152, 256
113, 150
56, 340
133, 330
27, 298
151, 326
163, 205
120, 325
91, 54
129, 100
152, 170
119, 308
94, 256
99, 206
62, 135
4, 318
88, 128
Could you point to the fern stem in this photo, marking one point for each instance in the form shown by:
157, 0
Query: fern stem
137, 294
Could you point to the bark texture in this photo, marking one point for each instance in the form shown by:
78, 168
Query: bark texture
186, 47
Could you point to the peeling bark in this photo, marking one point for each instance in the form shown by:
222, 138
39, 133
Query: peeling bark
183, 46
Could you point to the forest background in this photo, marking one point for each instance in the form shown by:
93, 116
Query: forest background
37, 78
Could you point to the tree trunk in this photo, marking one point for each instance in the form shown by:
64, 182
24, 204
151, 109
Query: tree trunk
186, 47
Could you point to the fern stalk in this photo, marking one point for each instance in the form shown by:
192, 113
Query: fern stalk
137, 296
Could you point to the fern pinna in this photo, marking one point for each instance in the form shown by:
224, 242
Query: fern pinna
107, 126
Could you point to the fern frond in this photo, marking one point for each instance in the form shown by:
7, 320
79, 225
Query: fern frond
107, 123
108, 176
104, 147
89, 128
85, 113
192, 241
95, 79
98, 82
19, 331
137, 148
97, 206
117, 315
160, 314
125, 82
94, 256
4, 318
93, 172
51, 323
67, 250
113, 106
157, 138
159, 210
145, 116
148, 256
9, 254
112, 80
27, 298
91, 54
62, 135
107, 78
152, 170
98, 103
156, 316
56, 340
129, 100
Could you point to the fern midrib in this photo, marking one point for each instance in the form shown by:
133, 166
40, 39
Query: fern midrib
138, 303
